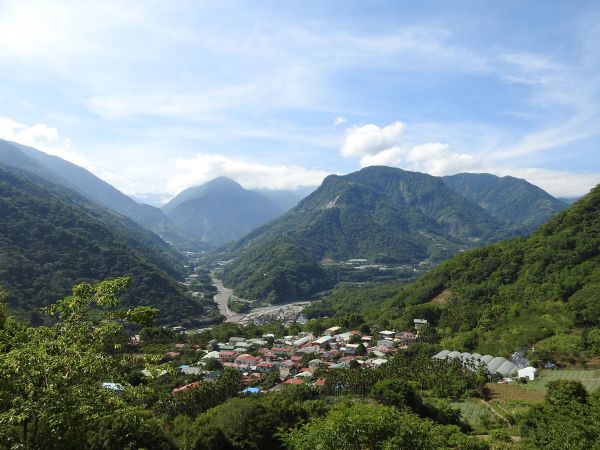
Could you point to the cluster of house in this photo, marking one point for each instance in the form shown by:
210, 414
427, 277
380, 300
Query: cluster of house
288, 314
296, 358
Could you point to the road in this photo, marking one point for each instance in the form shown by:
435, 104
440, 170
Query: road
223, 295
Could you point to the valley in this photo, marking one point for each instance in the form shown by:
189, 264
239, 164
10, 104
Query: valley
259, 315
345, 297
309, 225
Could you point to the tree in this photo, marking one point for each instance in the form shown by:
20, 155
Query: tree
367, 426
396, 392
568, 418
213, 364
52, 376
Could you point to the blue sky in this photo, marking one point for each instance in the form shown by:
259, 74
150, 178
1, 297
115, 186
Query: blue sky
157, 96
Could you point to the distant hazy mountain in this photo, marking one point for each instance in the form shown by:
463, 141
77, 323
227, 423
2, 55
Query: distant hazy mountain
156, 199
286, 199
78, 179
52, 238
508, 199
220, 211
569, 200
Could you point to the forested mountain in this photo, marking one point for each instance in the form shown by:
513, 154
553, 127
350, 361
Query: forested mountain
508, 199
52, 238
219, 211
543, 289
382, 214
78, 179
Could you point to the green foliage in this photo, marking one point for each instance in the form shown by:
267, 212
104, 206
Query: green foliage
561, 344
238, 306
131, 430
396, 392
508, 199
157, 335
505, 296
367, 426
51, 377
194, 401
586, 305
253, 422
213, 364
444, 378
51, 239
568, 418
279, 272
380, 213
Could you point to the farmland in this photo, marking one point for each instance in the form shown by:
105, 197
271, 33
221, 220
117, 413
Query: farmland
590, 378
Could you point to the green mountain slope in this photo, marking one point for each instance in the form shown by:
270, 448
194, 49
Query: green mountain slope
73, 177
379, 213
508, 199
543, 290
219, 211
52, 238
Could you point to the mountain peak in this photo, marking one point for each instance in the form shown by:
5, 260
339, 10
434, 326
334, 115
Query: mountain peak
222, 182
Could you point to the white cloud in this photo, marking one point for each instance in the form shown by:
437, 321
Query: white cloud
556, 182
41, 137
339, 121
434, 158
394, 156
383, 146
204, 167
371, 139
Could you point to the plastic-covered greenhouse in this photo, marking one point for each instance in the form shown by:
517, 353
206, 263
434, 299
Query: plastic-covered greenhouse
494, 365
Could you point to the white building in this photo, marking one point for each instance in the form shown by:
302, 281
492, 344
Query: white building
527, 372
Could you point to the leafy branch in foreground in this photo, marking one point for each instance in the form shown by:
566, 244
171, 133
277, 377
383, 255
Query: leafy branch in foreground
52, 394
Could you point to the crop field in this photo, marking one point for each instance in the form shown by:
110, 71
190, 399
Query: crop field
534, 391
590, 378
476, 414
515, 392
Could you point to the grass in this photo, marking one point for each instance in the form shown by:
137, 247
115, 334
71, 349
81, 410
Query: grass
590, 378
515, 392
477, 415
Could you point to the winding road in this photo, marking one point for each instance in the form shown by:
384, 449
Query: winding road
222, 297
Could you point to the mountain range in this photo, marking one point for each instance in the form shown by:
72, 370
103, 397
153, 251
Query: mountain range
539, 292
384, 215
381, 214
213, 214
52, 238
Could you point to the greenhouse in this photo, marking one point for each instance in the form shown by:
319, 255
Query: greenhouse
495, 365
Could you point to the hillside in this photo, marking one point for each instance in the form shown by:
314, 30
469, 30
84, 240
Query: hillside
382, 214
52, 238
542, 290
219, 211
508, 199
80, 180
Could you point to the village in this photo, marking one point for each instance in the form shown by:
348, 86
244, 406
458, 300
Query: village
289, 360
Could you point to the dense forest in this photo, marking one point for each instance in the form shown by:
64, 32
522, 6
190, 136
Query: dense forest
382, 214
52, 238
543, 289
53, 396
